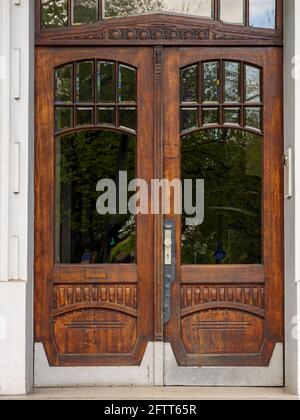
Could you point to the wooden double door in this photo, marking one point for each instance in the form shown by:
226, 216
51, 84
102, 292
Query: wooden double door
107, 285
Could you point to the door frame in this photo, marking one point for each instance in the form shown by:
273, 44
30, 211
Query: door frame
67, 38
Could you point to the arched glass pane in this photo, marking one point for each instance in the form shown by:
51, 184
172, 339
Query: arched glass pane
85, 82
253, 81
232, 84
262, 13
83, 236
106, 82
121, 8
63, 84
127, 84
211, 82
84, 11
189, 84
54, 13
230, 162
232, 11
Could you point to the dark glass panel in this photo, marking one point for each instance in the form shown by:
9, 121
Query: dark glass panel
262, 13
63, 84
128, 118
127, 84
211, 116
232, 11
232, 115
232, 82
189, 118
106, 82
211, 82
63, 118
54, 13
107, 116
85, 116
253, 118
84, 11
252, 84
189, 85
85, 82
121, 8
83, 235
230, 162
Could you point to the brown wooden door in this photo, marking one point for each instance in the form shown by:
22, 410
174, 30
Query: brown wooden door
226, 304
93, 275
99, 285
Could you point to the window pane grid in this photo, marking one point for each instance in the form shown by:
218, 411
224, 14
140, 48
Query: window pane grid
251, 13
93, 93
236, 92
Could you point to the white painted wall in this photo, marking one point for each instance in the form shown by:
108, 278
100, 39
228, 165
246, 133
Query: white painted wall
16, 201
16, 209
292, 206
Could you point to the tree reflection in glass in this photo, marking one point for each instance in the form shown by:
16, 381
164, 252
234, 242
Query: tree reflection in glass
230, 162
121, 8
84, 236
54, 13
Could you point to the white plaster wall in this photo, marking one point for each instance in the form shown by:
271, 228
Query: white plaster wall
16, 202
292, 206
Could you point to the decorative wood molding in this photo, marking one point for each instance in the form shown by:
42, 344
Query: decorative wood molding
149, 30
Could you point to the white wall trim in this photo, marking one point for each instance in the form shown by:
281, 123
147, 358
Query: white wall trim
4, 135
16, 198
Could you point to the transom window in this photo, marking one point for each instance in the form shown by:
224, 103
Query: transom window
95, 93
253, 13
221, 94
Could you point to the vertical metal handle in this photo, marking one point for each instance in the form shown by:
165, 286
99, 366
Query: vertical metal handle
169, 265
168, 246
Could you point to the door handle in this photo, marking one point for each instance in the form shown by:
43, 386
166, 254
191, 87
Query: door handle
169, 265
168, 246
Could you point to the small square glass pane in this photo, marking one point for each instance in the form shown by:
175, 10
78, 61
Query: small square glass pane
189, 85
127, 84
106, 82
54, 13
84, 116
262, 13
63, 84
232, 11
128, 118
85, 82
106, 116
253, 118
252, 84
232, 116
63, 118
232, 82
211, 116
189, 119
84, 11
211, 82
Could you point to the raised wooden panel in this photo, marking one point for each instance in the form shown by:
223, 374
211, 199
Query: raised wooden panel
222, 331
95, 332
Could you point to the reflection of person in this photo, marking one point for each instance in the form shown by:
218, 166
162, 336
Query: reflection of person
123, 252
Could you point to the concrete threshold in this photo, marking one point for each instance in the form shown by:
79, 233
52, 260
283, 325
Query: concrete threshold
157, 393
